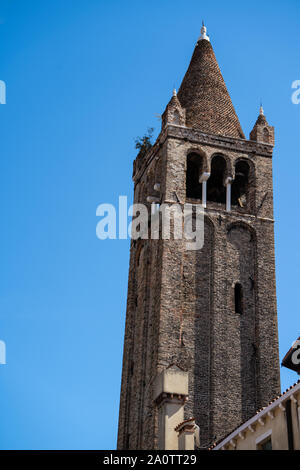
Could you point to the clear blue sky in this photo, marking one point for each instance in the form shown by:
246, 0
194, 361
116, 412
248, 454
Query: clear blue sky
84, 78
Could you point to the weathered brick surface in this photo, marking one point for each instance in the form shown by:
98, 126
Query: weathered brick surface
185, 306
180, 306
204, 95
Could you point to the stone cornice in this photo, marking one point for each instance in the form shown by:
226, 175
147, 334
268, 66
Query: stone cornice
170, 398
195, 136
227, 143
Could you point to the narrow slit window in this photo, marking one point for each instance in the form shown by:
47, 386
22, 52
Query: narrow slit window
238, 298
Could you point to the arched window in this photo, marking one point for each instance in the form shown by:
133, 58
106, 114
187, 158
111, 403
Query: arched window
193, 172
216, 191
238, 298
240, 185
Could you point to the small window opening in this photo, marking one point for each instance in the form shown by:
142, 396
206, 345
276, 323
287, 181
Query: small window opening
193, 172
238, 298
265, 445
216, 191
239, 191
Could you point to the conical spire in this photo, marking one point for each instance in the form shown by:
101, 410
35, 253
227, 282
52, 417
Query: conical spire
204, 95
261, 131
261, 117
174, 113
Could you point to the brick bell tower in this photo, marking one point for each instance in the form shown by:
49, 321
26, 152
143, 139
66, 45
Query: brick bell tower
209, 312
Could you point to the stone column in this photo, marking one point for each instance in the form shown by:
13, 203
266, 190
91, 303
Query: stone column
228, 182
203, 179
170, 394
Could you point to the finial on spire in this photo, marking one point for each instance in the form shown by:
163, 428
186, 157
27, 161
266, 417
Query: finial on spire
203, 33
261, 109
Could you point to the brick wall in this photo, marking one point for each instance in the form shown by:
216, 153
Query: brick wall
181, 303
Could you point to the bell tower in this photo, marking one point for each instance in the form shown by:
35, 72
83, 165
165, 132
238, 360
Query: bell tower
210, 313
